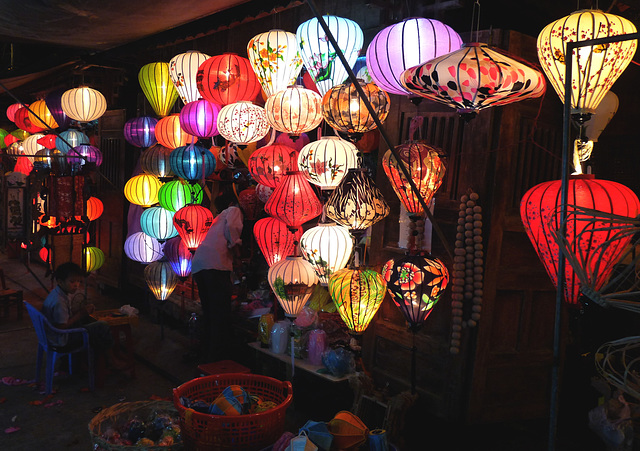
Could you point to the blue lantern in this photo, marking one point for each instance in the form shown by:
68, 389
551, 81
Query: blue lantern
187, 162
140, 131
73, 138
157, 222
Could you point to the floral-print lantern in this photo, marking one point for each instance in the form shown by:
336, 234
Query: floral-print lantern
94, 208
326, 161
141, 131
275, 59
327, 247
249, 202
41, 116
142, 248
94, 258
319, 56
157, 222
270, 163
199, 118
83, 104
243, 122
357, 294
178, 256
274, 239
595, 68
293, 201
160, 279
193, 222
142, 190
345, 111
183, 70
192, 162
294, 110
415, 284
157, 87
170, 134
226, 79
292, 280
70, 138
155, 161
178, 193
264, 192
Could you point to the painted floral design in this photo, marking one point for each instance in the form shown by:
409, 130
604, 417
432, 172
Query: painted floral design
275, 60
409, 275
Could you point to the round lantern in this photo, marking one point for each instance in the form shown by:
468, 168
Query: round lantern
11, 110
87, 154
356, 203
178, 256
31, 145
243, 122
3, 134
23, 165
293, 201
193, 222
140, 131
264, 192
94, 208
155, 161
298, 143
54, 104
415, 284
183, 70
23, 121
539, 207
160, 279
318, 54
275, 59
40, 115
48, 141
249, 202
192, 162
294, 110
94, 258
326, 161
426, 168
292, 280
142, 248
157, 222
15, 149
595, 68
270, 163
83, 104
327, 247
157, 87
406, 44
274, 239
176, 194
70, 138
226, 79
142, 190
357, 294
198, 118
42, 159
170, 134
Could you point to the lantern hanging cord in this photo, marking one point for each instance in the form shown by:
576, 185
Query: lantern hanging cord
475, 21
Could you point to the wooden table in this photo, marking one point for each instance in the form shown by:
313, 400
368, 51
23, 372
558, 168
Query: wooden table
120, 326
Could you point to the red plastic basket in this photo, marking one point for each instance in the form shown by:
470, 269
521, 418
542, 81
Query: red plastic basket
255, 431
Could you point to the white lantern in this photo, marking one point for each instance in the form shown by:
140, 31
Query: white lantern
183, 69
30, 144
243, 122
604, 113
292, 280
275, 59
327, 247
83, 104
294, 110
326, 161
142, 248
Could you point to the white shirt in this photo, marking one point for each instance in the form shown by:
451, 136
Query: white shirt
213, 252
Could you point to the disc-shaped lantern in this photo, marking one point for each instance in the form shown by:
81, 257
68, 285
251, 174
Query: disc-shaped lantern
170, 134
94, 258
160, 279
183, 70
193, 222
140, 131
407, 44
155, 161
142, 248
294, 110
198, 118
178, 256
326, 161
293, 201
23, 121
192, 162
275, 59
243, 122
292, 280
327, 247
94, 208
157, 222
142, 190
54, 102
415, 284
345, 111
178, 193
357, 294
70, 138
426, 167
595, 68
320, 57
539, 207
83, 104
157, 87
31, 146
274, 239
41, 116
226, 79
270, 163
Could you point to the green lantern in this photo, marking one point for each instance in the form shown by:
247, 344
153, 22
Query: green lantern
175, 195
3, 133
94, 258
157, 87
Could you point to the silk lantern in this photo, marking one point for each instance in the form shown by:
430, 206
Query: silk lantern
249, 202
327, 247
595, 68
94, 258
275, 60
605, 111
94, 208
407, 44
292, 280
198, 118
157, 87
192, 162
226, 79
326, 161
31, 146
70, 138
40, 115
83, 104
142, 190
160, 279
12, 109
170, 134
539, 206
142, 248
54, 103
183, 70
23, 121
318, 54
294, 110
269, 164
42, 159
264, 192
23, 165
140, 131
87, 154
293, 201
155, 161
192, 223
176, 194
244, 151
274, 239
178, 256
157, 222
243, 122
48, 141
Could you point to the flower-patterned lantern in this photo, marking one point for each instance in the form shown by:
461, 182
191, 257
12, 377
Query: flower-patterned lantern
193, 222
407, 44
415, 284
178, 256
293, 201
473, 78
94, 208
264, 192
192, 162
327, 247
226, 79
292, 280
83, 104
142, 190
23, 121
157, 87
41, 116
294, 110
326, 161
170, 134
318, 54
178, 193
274, 239
157, 222
243, 122
31, 145
275, 59
183, 70
94, 258
155, 161
160, 279
249, 202
356, 203
270, 163
595, 68
345, 111
54, 103
141, 131
70, 138
142, 248
427, 170
357, 294
199, 118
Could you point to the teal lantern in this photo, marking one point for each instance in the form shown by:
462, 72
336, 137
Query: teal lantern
70, 138
175, 195
192, 162
157, 222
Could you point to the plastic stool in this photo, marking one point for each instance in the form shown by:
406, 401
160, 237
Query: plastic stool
223, 367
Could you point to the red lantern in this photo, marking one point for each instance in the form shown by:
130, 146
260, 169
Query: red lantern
23, 121
94, 208
48, 141
23, 165
251, 205
269, 164
293, 201
539, 207
44, 255
192, 223
274, 239
226, 79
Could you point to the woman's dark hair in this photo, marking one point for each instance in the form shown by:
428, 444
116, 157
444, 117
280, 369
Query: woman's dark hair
223, 201
68, 269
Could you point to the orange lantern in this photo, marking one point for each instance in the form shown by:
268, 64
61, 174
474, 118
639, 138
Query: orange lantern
170, 134
41, 116
94, 208
293, 201
348, 430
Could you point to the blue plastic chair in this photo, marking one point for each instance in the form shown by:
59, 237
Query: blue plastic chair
42, 325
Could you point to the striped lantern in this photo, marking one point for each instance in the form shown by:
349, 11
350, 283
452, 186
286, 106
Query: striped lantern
327, 247
157, 222
243, 122
292, 280
142, 248
274, 239
30, 145
85, 153
170, 134
178, 256
156, 84
23, 121
320, 57
142, 190
294, 110
140, 131
155, 161
192, 162
94, 208
198, 118
193, 222
83, 104
270, 163
275, 60
326, 161
293, 201
183, 70
54, 103
70, 138
94, 258
178, 193
160, 279
12, 109
41, 116
226, 79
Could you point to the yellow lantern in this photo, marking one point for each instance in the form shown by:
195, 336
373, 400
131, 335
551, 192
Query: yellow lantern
83, 104
40, 115
94, 258
142, 190
275, 59
158, 88
294, 110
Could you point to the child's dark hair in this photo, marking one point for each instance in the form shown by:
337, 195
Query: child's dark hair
68, 269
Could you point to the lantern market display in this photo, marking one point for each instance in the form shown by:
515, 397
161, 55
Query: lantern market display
192, 162
170, 134
274, 239
142, 248
226, 79
94, 258
269, 164
294, 110
157, 87
192, 223
83, 104
176, 194
292, 280
325, 162
157, 222
275, 59
141, 131
293, 201
160, 279
183, 70
243, 122
142, 190
178, 256
199, 118
155, 161
327, 247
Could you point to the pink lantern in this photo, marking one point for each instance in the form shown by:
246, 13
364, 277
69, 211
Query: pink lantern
11, 110
298, 144
199, 118
293, 201
268, 165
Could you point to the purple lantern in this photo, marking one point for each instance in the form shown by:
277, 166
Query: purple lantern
53, 100
199, 118
140, 131
91, 154
179, 257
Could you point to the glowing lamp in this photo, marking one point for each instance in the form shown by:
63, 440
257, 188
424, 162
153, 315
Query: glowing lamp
270, 163
83, 104
293, 201
94, 258
41, 116
274, 239
160, 279
183, 70
155, 161
157, 87
198, 118
91, 154
192, 223
142, 248
292, 280
327, 247
70, 138
249, 202
326, 161
243, 122
140, 131
157, 222
294, 110
23, 121
192, 162
54, 103
48, 141
275, 59
170, 134
142, 190
10, 139
31, 144
178, 256
176, 194
23, 165
43, 253
264, 192
226, 79
11, 110
94, 208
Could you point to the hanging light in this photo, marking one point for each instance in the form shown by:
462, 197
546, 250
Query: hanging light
83, 104
294, 110
407, 44
178, 193
319, 56
40, 115
140, 131
293, 201
170, 134
54, 104
274, 239
292, 280
178, 256
48, 141
187, 162
249, 203
327, 247
198, 118
603, 114
226, 79
264, 192
326, 161
415, 284
94, 208
31, 145
142, 248
183, 70
156, 84
94, 258
243, 122
23, 165
193, 222
70, 138
155, 161
357, 294
275, 60
24, 122
142, 190
157, 222
270, 163
12, 109
160, 279
91, 154
595, 68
